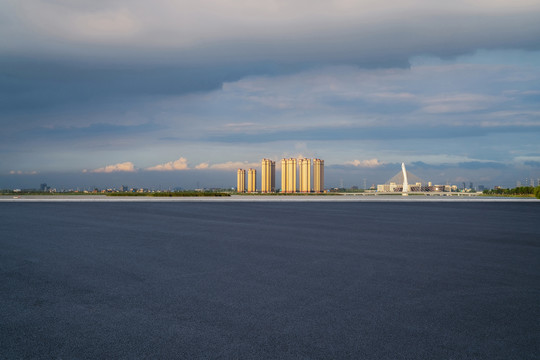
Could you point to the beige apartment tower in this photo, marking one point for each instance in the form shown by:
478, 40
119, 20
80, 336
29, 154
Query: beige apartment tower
318, 175
305, 175
252, 180
241, 180
288, 175
268, 176
283, 175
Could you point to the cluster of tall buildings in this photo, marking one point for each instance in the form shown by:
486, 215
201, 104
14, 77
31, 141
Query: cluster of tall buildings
251, 180
268, 176
297, 175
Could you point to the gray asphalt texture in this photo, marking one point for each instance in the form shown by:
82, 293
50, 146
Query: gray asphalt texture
270, 280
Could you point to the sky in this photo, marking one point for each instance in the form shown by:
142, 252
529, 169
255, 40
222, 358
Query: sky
165, 94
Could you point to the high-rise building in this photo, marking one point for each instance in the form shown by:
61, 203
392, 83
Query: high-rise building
291, 175
241, 180
283, 175
288, 175
318, 175
305, 175
268, 176
252, 182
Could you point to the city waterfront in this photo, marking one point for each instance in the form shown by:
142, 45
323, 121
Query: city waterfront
328, 198
269, 277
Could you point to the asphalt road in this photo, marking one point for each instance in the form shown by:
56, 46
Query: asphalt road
270, 280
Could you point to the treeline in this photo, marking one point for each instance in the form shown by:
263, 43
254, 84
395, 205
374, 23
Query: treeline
37, 192
517, 191
171, 194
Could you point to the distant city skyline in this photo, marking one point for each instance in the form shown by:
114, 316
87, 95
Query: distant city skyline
338, 176
183, 93
296, 177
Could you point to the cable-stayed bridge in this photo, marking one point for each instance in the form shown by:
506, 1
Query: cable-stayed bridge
406, 182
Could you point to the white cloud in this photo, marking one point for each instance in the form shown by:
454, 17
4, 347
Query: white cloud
371, 163
104, 25
202, 166
180, 164
239, 125
184, 23
120, 167
20, 172
397, 96
524, 158
232, 165
460, 103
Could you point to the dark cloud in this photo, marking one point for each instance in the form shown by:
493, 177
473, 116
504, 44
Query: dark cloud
382, 132
461, 165
41, 70
97, 130
482, 165
535, 164
32, 85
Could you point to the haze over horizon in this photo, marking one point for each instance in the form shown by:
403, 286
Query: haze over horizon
162, 93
